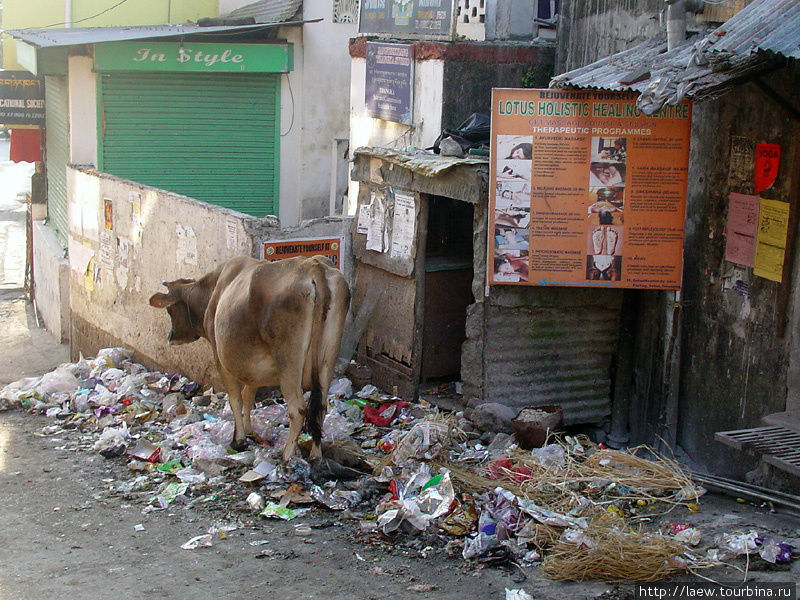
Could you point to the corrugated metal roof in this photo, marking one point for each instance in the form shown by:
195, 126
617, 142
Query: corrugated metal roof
51, 38
704, 67
419, 161
765, 25
268, 11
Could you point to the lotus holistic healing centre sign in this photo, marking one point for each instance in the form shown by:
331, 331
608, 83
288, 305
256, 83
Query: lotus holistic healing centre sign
586, 190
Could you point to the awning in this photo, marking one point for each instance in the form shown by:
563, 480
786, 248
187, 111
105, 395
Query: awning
59, 38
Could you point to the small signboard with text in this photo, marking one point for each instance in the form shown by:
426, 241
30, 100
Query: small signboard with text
21, 98
189, 57
390, 82
330, 248
408, 18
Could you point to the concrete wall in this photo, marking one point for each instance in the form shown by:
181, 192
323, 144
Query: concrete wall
324, 114
51, 276
156, 236
82, 84
426, 116
591, 29
471, 72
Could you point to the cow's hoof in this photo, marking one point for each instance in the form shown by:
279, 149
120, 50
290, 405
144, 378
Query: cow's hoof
239, 446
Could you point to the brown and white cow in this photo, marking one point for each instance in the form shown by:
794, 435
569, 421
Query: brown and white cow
268, 323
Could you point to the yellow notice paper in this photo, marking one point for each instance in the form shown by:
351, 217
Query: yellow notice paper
773, 223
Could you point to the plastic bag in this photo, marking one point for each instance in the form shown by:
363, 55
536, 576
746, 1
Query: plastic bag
112, 437
472, 133
336, 427
60, 380
424, 441
485, 540
342, 387
549, 456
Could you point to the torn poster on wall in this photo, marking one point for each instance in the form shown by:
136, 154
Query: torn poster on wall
186, 251
377, 221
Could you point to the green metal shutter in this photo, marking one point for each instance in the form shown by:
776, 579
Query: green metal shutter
213, 137
57, 153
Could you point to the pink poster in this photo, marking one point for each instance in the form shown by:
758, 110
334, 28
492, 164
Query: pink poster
742, 229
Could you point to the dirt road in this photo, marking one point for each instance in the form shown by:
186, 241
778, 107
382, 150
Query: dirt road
68, 528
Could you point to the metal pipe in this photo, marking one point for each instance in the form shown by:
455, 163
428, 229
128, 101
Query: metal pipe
67, 13
676, 23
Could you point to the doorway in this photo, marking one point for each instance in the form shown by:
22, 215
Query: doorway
448, 287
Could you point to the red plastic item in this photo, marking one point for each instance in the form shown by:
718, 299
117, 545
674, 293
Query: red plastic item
499, 468
383, 415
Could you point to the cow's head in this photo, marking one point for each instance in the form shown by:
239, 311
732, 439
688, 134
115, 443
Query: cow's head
187, 316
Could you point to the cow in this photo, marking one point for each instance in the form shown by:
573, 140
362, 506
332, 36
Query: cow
268, 323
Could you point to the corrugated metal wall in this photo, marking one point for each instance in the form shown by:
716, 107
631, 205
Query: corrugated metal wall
535, 356
213, 137
57, 153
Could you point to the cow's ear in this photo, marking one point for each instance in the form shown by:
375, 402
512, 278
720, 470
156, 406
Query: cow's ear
160, 300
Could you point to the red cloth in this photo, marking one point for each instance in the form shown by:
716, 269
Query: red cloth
26, 145
383, 415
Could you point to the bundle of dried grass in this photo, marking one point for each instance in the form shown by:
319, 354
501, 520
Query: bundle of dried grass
658, 477
614, 555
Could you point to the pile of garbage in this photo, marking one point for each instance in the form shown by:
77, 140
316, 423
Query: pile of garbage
577, 508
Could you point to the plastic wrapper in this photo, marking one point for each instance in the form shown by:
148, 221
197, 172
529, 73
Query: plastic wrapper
549, 456
342, 387
517, 595
504, 510
336, 427
335, 499
221, 432
189, 475
690, 536
206, 449
549, 517
116, 354
774, 551
200, 541
424, 441
414, 510
275, 511
484, 540
131, 384
112, 437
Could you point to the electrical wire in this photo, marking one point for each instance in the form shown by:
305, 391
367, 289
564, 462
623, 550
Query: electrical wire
79, 20
291, 95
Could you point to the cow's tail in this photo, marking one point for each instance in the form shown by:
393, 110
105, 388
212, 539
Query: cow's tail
331, 301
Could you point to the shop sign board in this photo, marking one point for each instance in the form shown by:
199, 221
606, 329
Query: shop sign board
586, 190
408, 18
330, 248
21, 98
389, 82
190, 57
